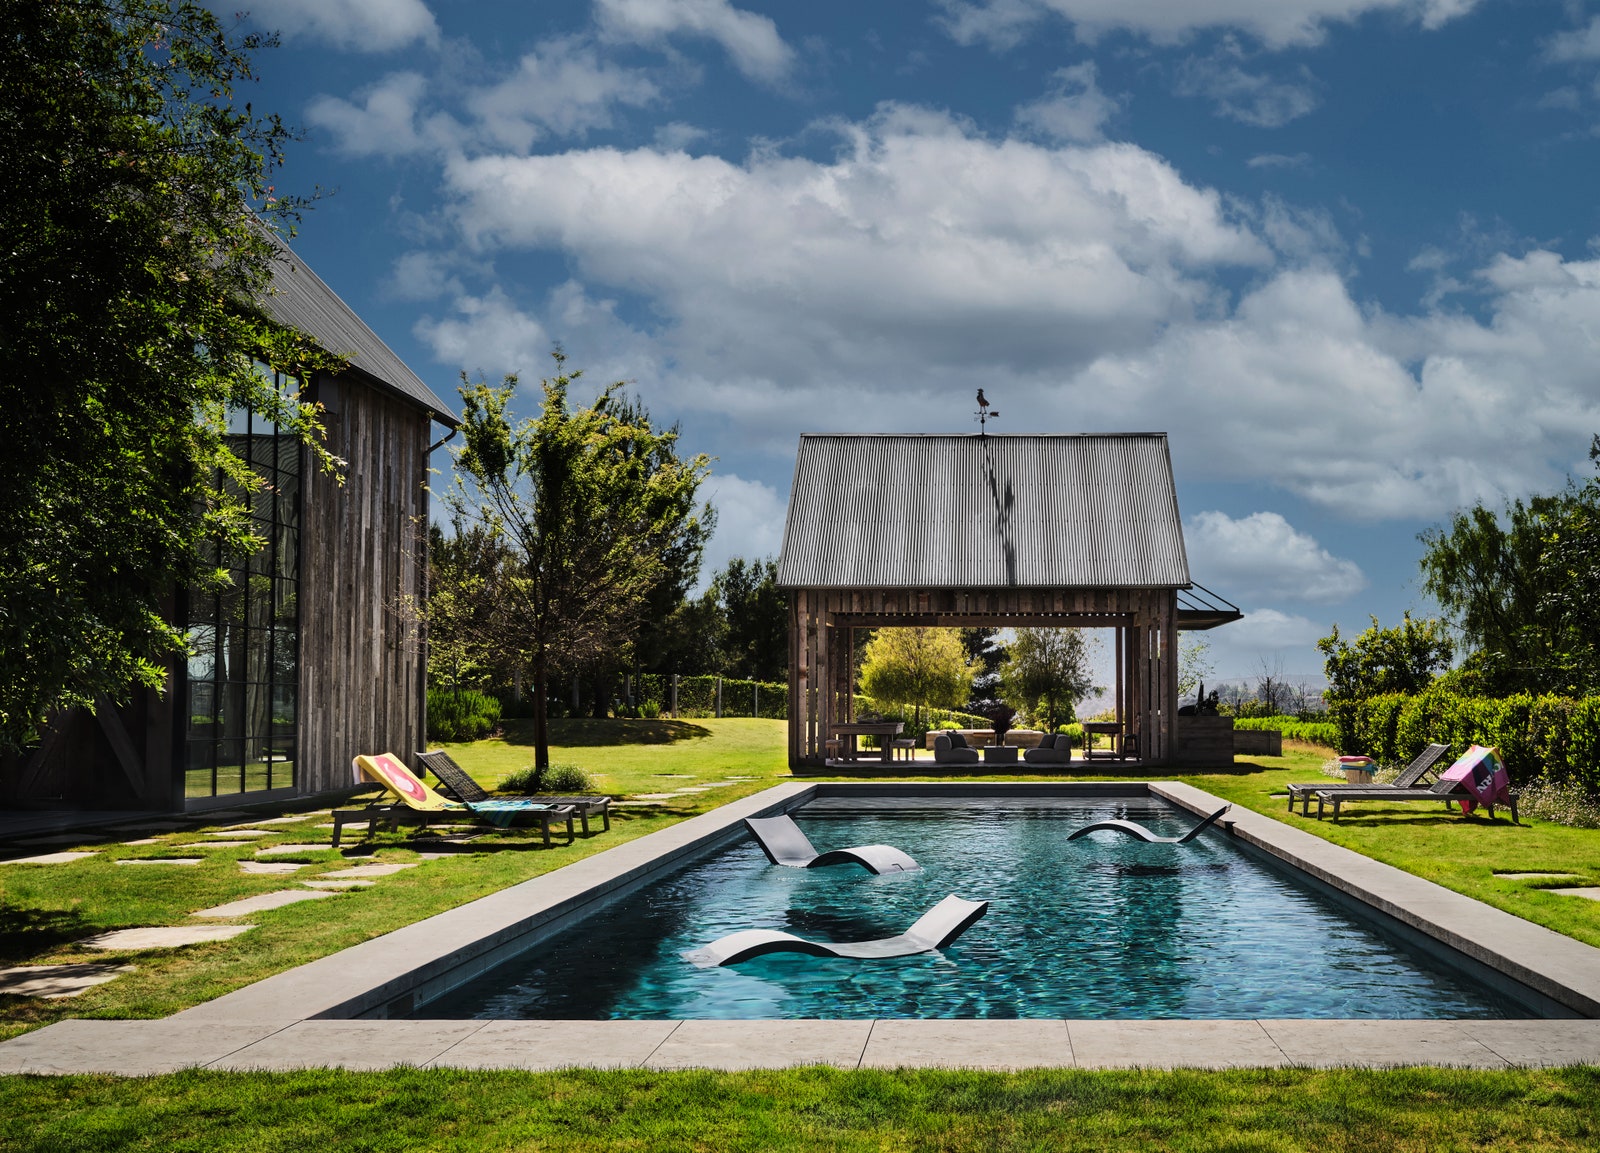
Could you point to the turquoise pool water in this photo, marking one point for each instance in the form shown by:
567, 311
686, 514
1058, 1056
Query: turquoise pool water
1103, 927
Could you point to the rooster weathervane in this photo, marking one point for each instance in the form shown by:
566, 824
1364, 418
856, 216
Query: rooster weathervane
984, 414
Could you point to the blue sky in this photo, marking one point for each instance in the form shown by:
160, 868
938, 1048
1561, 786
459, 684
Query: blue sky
1345, 252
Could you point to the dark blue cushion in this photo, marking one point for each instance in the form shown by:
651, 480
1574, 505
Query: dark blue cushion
957, 741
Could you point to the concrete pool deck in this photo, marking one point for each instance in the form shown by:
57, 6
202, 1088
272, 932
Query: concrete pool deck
335, 1012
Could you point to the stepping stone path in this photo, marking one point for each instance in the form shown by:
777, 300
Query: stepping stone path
367, 871
271, 866
643, 803
56, 981
260, 903
654, 796
145, 841
339, 886
239, 833
164, 936
291, 819
50, 859
1588, 893
274, 850
1531, 876
162, 861
216, 844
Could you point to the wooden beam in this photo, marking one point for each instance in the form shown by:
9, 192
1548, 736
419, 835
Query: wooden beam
116, 732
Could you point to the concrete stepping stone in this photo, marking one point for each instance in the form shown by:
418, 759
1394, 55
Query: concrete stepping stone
340, 886
292, 818
215, 844
145, 841
1531, 876
368, 871
220, 815
677, 776
695, 789
162, 861
278, 850
57, 981
272, 866
164, 936
1587, 892
50, 858
260, 903
637, 804
653, 797
240, 833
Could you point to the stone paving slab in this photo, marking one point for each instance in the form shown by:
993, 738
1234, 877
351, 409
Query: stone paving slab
544, 1045
968, 1044
238, 832
51, 858
161, 861
142, 841
272, 866
260, 903
1173, 1045
769, 1045
339, 886
1531, 876
1546, 1043
1588, 892
293, 818
57, 981
278, 850
1326, 1044
368, 871
163, 936
354, 1045
212, 844
129, 1048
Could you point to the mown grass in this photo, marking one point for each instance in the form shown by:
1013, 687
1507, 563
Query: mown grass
1393, 1111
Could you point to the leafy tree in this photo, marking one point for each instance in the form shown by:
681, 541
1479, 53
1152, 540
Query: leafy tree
465, 609
984, 647
1403, 659
132, 200
1194, 663
1571, 588
1047, 670
1506, 582
588, 505
756, 642
923, 667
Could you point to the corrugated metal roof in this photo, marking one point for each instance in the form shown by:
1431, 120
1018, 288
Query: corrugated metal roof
301, 299
1073, 511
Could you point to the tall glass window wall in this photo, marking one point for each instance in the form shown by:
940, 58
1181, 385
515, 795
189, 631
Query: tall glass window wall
243, 676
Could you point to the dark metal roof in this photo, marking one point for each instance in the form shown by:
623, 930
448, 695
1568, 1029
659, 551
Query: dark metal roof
1072, 511
301, 299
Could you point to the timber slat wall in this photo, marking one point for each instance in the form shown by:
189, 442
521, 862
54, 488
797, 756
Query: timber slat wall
362, 560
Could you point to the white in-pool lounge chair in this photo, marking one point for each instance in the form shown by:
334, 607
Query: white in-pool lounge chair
784, 844
1133, 829
934, 930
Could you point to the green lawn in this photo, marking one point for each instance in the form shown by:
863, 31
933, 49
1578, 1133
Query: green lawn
1344, 1111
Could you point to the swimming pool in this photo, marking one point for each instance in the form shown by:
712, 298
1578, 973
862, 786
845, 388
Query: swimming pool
1104, 927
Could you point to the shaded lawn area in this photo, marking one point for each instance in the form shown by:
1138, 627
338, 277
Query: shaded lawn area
1392, 1111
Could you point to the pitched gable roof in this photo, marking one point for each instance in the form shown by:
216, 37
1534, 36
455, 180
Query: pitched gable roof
1070, 511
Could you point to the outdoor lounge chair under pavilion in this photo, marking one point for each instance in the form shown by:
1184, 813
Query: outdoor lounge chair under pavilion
461, 787
420, 805
784, 844
1134, 829
947, 752
933, 930
1408, 778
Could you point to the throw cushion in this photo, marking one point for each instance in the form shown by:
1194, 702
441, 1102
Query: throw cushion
957, 740
1048, 741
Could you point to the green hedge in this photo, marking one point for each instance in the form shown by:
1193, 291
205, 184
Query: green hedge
697, 696
1553, 737
467, 715
1294, 729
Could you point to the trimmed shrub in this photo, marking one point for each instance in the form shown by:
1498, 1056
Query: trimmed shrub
1323, 733
467, 715
557, 779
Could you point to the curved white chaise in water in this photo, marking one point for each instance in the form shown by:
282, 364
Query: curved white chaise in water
934, 929
784, 844
1134, 829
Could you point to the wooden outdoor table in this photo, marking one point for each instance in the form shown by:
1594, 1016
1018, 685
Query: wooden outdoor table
1112, 729
885, 729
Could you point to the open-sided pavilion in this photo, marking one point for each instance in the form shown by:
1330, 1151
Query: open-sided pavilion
988, 531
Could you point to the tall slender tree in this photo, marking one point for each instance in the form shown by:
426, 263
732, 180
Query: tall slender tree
589, 504
1047, 670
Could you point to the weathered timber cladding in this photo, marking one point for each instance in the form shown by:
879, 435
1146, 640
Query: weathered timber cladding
362, 566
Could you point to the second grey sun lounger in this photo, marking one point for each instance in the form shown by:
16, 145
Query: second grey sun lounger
1408, 778
934, 930
1450, 792
784, 844
1134, 829
459, 785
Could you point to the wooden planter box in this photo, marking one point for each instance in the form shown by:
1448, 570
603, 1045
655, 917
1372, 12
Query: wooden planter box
1206, 740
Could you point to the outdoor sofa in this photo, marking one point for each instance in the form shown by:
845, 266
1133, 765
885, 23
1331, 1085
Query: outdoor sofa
1053, 749
951, 748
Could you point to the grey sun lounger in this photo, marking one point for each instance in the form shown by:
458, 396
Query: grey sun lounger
1408, 778
1134, 829
934, 930
784, 844
1450, 792
458, 785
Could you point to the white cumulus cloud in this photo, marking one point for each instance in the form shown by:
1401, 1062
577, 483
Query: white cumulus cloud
1263, 557
1074, 109
564, 88
1252, 98
357, 25
751, 41
750, 518
1579, 44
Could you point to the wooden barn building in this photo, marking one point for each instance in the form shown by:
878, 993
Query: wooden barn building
988, 531
316, 652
